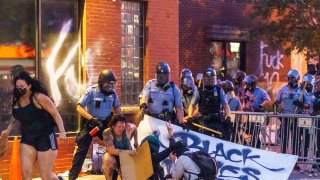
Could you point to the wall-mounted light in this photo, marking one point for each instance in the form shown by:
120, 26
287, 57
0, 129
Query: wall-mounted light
114, 0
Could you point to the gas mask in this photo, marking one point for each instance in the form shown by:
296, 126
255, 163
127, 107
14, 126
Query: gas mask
186, 86
107, 87
292, 82
162, 79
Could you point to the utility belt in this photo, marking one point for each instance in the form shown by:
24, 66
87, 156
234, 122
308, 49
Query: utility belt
212, 118
166, 116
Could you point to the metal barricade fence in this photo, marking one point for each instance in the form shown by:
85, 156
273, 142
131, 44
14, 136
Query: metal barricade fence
295, 134
247, 127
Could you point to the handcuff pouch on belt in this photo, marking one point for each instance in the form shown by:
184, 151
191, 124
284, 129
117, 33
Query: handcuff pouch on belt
165, 115
212, 118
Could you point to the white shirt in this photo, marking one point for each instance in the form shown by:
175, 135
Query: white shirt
183, 164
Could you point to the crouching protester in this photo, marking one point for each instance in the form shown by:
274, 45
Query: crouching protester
189, 165
116, 139
156, 156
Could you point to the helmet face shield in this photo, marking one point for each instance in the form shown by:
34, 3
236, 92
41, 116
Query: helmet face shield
188, 82
210, 80
108, 85
162, 78
292, 81
107, 81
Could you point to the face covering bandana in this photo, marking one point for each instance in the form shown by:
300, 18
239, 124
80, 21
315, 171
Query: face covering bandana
21, 91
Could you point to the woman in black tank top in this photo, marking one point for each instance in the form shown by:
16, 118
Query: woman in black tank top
38, 117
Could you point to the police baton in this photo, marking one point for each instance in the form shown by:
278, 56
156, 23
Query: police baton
203, 127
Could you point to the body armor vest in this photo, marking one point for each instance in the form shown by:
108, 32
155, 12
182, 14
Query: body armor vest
209, 102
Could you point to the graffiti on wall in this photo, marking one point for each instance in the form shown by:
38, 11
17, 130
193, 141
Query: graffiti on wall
270, 66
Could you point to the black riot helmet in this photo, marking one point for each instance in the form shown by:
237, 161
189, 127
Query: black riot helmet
239, 77
209, 78
250, 82
163, 74
106, 81
293, 78
227, 86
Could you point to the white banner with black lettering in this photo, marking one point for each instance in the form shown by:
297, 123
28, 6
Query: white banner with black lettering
235, 161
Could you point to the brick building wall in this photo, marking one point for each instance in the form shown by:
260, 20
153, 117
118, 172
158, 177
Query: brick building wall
103, 40
162, 33
195, 17
103, 48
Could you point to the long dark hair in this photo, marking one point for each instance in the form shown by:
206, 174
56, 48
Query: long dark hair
36, 86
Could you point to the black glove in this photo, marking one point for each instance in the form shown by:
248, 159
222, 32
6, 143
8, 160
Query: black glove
97, 122
228, 128
189, 121
228, 122
297, 103
143, 107
185, 127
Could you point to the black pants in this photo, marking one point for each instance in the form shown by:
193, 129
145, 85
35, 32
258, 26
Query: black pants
83, 141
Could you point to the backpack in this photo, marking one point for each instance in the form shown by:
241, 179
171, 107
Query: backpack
207, 164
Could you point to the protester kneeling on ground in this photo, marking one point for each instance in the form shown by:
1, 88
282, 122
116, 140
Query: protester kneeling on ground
116, 139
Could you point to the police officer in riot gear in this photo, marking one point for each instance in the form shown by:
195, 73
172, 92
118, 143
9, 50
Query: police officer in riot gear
209, 101
289, 103
95, 106
310, 80
160, 97
254, 99
188, 90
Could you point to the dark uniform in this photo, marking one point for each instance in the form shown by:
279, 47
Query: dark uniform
210, 100
99, 102
159, 96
